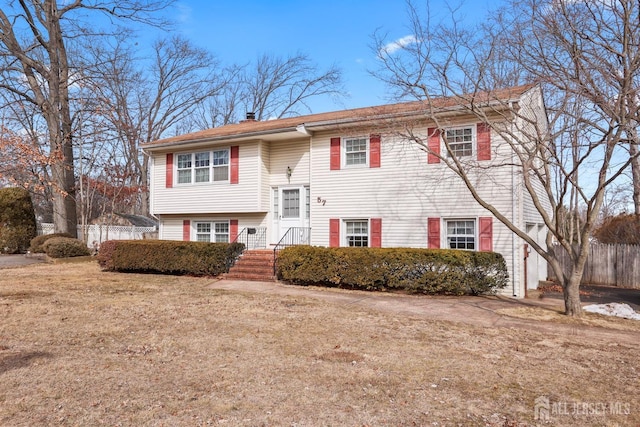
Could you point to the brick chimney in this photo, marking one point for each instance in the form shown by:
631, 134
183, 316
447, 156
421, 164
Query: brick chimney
251, 117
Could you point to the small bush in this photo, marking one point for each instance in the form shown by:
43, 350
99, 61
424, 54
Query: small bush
17, 220
621, 229
36, 247
429, 271
65, 247
168, 257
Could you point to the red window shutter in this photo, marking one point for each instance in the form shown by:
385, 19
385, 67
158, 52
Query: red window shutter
233, 229
433, 143
483, 135
486, 234
233, 179
334, 232
376, 232
433, 233
374, 151
169, 179
335, 154
186, 230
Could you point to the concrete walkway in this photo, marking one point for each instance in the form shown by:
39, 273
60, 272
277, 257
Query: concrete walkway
479, 311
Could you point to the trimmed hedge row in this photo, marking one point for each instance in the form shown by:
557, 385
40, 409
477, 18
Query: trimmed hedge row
428, 271
168, 257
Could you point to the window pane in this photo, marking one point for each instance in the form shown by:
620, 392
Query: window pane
184, 161
356, 158
203, 232
276, 201
291, 203
222, 232
356, 151
184, 176
307, 203
202, 160
461, 234
460, 141
357, 233
202, 175
221, 173
221, 157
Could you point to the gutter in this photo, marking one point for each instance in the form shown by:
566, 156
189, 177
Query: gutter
246, 135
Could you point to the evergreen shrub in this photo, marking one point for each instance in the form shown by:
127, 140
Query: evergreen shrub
65, 247
17, 220
35, 246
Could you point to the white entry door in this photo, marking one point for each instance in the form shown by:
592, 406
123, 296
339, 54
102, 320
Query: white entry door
290, 209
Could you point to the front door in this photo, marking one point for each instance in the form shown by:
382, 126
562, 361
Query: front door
290, 209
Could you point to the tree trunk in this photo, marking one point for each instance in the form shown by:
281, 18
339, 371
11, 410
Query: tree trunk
635, 173
571, 293
144, 186
65, 217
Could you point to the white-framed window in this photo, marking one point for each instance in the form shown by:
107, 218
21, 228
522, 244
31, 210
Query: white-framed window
356, 151
203, 166
276, 202
221, 165
461, 141
184, 168
203, 231
202, 163
461, 234
212, 231
356, 232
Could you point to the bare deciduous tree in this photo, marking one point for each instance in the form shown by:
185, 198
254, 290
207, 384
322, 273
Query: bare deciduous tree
271, 87
584, 56
38, 41
145, 99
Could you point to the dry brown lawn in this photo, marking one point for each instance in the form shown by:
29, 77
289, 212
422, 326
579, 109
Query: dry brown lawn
83, 347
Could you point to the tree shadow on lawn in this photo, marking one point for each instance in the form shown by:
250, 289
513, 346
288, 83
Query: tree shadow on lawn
20, 360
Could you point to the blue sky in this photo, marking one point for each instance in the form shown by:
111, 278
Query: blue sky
330, 31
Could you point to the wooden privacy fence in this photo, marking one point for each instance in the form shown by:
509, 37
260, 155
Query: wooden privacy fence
613, 265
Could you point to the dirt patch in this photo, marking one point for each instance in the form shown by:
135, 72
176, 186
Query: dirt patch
103, 348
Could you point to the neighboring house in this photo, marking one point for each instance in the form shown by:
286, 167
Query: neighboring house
346, 178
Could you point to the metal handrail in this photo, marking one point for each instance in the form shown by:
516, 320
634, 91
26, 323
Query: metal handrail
252, 237
294, 236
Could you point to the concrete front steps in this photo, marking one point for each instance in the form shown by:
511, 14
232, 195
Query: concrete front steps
255, 265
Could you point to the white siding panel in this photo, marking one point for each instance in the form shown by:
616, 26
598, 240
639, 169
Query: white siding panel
265, 179
171, 226
405, 191
289, 154
215, 197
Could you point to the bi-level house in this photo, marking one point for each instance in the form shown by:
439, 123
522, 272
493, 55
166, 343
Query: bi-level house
347, 178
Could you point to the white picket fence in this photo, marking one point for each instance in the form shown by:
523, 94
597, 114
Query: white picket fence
98, 233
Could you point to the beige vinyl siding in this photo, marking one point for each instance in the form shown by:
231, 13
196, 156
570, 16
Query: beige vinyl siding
293, 154
212, 197
265, 180
171, 226
405, 191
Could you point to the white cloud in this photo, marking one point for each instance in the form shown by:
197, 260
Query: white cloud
397, 44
